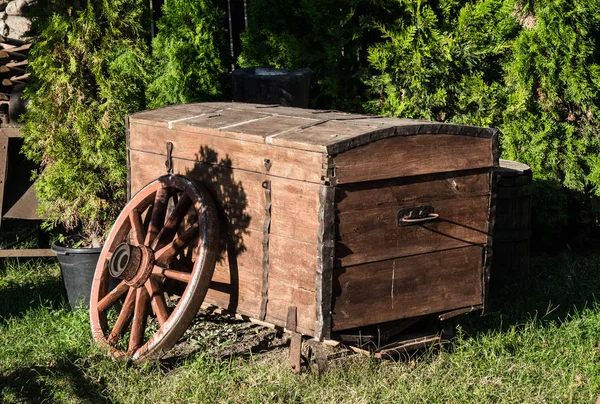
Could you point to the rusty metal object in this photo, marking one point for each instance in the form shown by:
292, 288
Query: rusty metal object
131, 263
295, 340
145, 253
265, 260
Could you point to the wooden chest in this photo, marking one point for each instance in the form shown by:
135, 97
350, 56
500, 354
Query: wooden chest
355, 220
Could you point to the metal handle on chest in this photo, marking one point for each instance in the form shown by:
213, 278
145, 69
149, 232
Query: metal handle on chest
416, 215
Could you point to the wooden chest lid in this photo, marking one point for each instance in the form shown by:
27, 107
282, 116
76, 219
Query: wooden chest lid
323, 131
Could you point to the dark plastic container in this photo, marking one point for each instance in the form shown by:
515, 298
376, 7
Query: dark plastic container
77, 266
265, 85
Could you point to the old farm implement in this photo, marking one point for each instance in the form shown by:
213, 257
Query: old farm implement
320, 222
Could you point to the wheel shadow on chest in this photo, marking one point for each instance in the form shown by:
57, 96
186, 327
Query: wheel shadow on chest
217, 174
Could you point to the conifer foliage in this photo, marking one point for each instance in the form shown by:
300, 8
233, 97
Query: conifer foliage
88, 70
550, 119
331, 37
190, 52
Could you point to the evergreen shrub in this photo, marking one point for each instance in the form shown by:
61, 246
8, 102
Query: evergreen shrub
88, 70
190, 53
331, 37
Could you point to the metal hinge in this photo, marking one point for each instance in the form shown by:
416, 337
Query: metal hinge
328, 169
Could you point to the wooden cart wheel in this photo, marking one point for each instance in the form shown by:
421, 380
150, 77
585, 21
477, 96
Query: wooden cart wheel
167, 233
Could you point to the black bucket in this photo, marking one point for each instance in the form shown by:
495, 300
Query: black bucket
265, 85
77, 266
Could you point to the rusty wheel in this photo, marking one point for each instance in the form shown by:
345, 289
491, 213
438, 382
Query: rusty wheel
166, 239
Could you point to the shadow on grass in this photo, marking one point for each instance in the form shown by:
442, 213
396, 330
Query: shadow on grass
36, 383
556, 287
30, 288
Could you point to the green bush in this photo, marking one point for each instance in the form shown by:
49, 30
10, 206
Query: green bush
553, 80
88, 72
330, 37
190, 53
440, 60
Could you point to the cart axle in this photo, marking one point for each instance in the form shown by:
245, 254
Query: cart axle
133, 264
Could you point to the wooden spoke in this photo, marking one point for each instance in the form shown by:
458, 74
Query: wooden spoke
137, 227
177, 275
124, 317
139, 320
159, 305
157, 219
107, 301
147, 217
173, 248
157, 270
172, 224
192, 222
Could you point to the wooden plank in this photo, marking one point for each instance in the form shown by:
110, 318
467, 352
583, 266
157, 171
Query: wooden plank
420, 189
316, 137
240, 194
273, 126
25, 207
218, 310
11, 130
402, 347
237, 282
162, 116
413, 155
374, 234
291, 281
282, 296
207, 148
458, 312
407, 287
27, 253
325, 262
3, 167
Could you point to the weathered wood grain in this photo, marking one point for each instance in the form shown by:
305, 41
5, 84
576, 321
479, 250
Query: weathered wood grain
407, 287
367, 217
291, 273
240, 193
329, 132
337, 184
419, 189
325, 261
292, 240
403, 156
203, 146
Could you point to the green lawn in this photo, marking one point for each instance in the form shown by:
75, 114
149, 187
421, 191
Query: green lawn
539, 343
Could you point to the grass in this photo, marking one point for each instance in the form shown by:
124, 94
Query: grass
539, 343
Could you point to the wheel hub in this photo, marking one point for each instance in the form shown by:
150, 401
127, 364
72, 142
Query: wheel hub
133, 264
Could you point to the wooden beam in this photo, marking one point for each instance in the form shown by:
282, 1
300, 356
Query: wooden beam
42, 252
